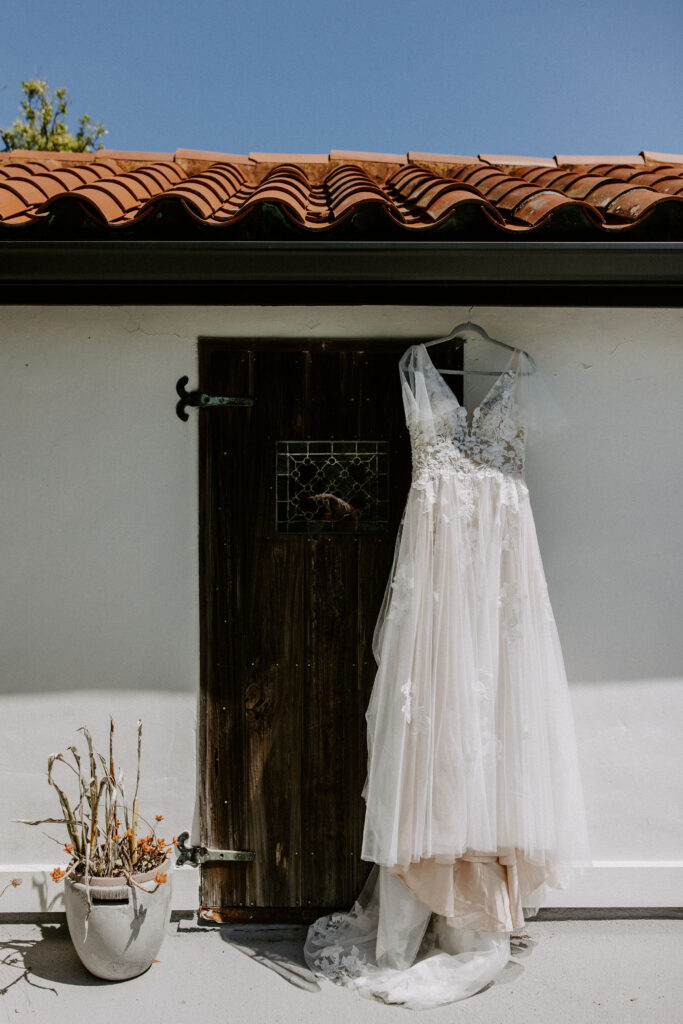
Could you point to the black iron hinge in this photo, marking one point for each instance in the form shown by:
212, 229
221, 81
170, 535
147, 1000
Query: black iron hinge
199, 400
198, 854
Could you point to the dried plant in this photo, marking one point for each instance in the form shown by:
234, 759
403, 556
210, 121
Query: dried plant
98, 850
13, 882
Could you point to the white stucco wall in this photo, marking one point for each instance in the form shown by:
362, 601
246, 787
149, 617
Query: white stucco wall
98, 580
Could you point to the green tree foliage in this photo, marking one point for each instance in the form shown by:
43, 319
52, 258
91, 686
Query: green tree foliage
43, 125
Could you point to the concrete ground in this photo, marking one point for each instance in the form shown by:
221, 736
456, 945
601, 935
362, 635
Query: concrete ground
624, 971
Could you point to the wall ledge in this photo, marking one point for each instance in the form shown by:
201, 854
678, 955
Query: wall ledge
616, 886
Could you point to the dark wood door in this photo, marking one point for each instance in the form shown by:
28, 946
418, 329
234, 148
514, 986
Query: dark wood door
301, 497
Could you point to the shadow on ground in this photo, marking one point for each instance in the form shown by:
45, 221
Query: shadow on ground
49, 958
280, 949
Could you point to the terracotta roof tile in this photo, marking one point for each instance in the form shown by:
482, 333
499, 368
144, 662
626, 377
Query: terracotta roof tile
139, 185
49, 184
289, 158
535, 209
662, 158
489, 196
48, 157
633, 203
604, 192
100, 201
72, 177
576, 185
123, 154
515, 161
664, 179
440, 158
374, 158
203, 154
11, 202
613, 190
545, 174
19, 167
573, 161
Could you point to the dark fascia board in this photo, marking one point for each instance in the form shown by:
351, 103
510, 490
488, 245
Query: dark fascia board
267, 272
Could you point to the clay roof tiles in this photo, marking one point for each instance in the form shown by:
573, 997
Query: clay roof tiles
509, 196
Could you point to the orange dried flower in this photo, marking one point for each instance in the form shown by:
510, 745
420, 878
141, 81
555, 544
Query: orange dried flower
161, 843
175, 840
160, 877
159, 817
57, 874
118, 822
68, 847
129, 833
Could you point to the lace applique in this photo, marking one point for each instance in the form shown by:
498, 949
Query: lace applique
510, 599
401, 587
406, 690
495, 437
337, 961
495, 442
415, 716
509, 494
431, 457
466, 499
507, 593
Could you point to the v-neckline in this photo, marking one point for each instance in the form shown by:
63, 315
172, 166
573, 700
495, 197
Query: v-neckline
470, 418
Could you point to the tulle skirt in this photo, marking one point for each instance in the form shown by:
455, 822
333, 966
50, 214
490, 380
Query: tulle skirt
474, 802
392, 948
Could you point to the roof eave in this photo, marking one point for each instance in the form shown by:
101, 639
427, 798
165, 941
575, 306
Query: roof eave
230, 271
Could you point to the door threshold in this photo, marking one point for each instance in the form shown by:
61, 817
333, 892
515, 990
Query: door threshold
263, 915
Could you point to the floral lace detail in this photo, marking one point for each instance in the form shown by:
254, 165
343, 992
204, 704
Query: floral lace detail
496, 429
407, 708
494, 443
509, 494
341, 946
414, 715
401, 588
337, 961
510, 598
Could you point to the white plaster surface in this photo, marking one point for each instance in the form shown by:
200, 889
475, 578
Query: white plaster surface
98, 569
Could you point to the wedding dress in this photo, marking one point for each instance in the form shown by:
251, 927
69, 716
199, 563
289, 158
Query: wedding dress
474, 803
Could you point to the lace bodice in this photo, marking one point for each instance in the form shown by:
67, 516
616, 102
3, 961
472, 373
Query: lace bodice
442, 441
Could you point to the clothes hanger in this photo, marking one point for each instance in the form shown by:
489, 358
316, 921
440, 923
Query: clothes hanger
468, 325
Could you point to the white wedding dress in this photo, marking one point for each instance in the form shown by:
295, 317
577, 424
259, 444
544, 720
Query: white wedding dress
474, 803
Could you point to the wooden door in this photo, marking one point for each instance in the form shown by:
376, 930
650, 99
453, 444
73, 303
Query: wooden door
291, 584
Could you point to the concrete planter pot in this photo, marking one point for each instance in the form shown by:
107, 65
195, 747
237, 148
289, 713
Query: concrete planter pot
126, 926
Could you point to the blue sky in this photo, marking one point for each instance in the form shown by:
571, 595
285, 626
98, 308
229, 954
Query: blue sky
307, 76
